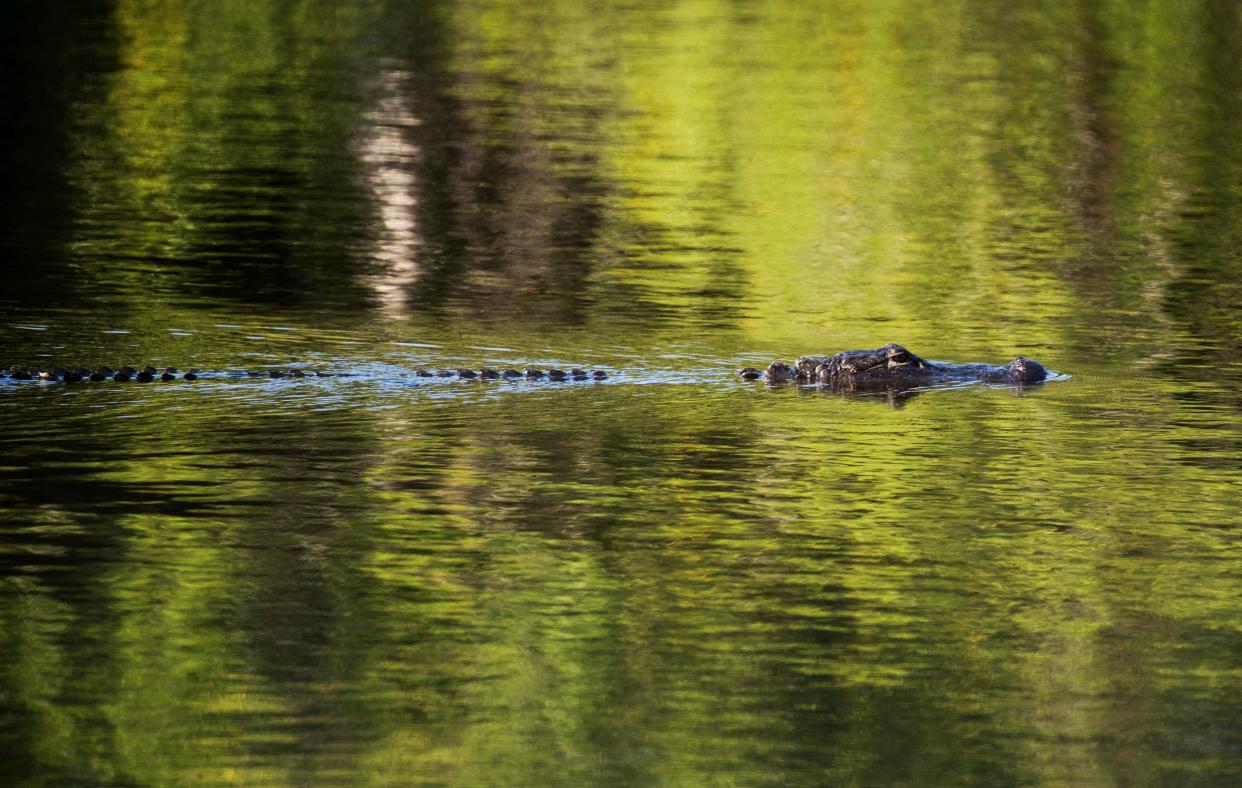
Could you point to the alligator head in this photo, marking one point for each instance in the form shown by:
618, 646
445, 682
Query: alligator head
893, 366
890, 361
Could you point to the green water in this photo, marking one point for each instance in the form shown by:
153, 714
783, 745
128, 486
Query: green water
671, 577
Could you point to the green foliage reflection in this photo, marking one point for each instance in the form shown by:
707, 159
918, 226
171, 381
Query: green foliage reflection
638, 584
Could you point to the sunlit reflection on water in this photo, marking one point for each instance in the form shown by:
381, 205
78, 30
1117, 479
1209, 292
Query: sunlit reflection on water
390, 159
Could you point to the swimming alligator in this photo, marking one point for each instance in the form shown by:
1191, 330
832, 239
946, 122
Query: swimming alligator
892, 366
149, 374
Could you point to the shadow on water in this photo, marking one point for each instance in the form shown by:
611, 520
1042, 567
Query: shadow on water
52, 65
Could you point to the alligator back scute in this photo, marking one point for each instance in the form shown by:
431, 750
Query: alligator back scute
149, 374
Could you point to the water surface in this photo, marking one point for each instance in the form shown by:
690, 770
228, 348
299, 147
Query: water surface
671, 577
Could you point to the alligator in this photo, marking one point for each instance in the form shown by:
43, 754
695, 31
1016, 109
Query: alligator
892, 366
150, 374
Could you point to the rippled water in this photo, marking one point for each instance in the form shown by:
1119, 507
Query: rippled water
672, 576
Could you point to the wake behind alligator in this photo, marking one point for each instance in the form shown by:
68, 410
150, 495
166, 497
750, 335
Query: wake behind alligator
893, 366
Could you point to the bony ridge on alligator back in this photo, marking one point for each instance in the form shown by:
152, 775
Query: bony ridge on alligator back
149, 374
893, 365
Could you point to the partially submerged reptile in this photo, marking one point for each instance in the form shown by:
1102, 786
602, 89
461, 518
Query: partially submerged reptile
893, 366
149, 374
